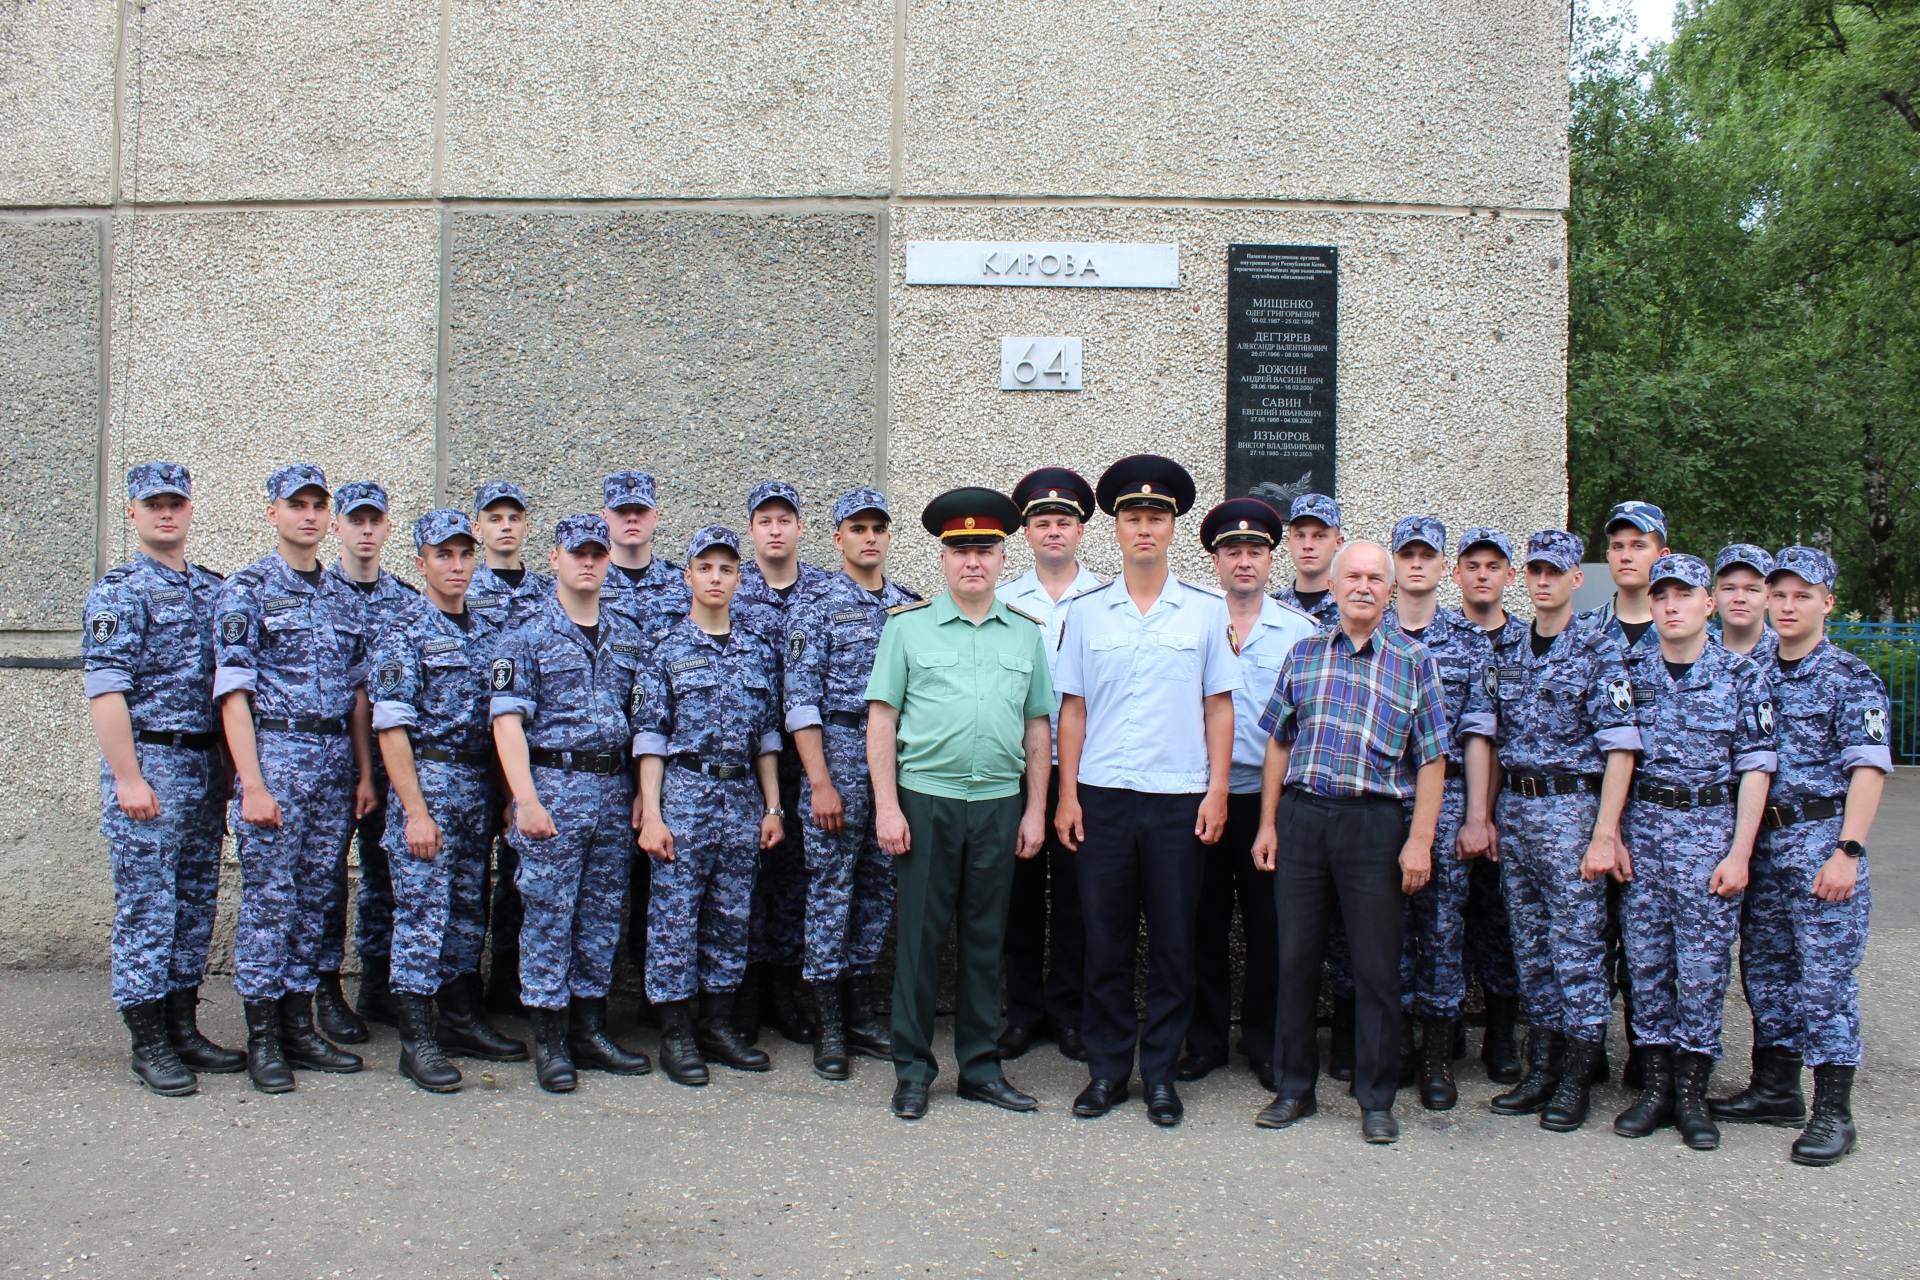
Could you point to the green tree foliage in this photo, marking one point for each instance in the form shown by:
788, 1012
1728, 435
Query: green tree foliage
1745, 296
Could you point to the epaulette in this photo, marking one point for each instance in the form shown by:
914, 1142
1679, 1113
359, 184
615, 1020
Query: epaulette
909, 608
215, 574
1014, 608
403, 582
911, 594
1089, 591
253, 575
1217, 592
117, 575
1297, 611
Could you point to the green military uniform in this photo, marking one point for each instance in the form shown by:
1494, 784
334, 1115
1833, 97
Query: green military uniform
965, 692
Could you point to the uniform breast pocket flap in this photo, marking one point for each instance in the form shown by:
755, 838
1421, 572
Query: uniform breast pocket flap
562, 674
1017, 662
1176, 657
1112, 657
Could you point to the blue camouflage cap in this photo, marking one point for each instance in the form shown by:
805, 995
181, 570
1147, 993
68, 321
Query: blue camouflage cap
294, 477
854, 501
151, 479
443, 525
1691, 570
1315, 506
575, 532
712, 536
1755, 558
499, 491
772, 491
355, 494
1809, 564
1556, 547
1420, 529
629, 489
1643, 516
1483, 535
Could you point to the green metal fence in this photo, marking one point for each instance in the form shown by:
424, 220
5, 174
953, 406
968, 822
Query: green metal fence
1892, 649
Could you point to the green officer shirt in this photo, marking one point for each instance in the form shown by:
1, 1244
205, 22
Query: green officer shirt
965, 693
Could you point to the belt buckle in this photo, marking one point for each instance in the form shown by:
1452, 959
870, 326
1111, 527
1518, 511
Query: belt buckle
1530, 787
1774, 817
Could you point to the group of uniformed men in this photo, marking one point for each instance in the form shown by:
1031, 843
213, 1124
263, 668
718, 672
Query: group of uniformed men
1627, 791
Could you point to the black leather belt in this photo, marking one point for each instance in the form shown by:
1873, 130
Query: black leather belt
724, 772
335, 727
441, 755
191, 741
1681, 797
847, 719
578, 761
1533, 786
1775, 816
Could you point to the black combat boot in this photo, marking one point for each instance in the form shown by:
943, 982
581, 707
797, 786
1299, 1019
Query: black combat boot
1697, 1129
830, 1043
303, 1046
1829, 1136
1340, 1055
420, 1058
791, 1016
1542, 1078
376, 1003
592, 1049
194, 1049
552, 1064
1497, 1049
1437, 1090
747, 1002
266, 1064
1573, 1098
1773, 1096
464, 1033
154, 1060
864, 1031
679, 1054
718, 1037
503, 986
337, 1019
1654, 1110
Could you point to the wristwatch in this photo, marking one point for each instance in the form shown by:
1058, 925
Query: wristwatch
1852, 848
776, 813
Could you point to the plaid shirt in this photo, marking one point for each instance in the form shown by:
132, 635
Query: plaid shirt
1360, 723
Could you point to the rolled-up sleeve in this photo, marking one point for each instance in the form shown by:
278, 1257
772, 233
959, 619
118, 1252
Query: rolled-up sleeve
887, 682
515, 679
1866, 725
803, 678
394, 715
236, 633
770, 743
1754, 747
113, 629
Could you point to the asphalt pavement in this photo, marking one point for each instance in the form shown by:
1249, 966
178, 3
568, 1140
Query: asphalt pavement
785, 1174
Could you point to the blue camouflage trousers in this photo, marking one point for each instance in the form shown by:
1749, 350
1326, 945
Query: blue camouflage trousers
1678, 934
777, 927
286, 872
373, 932
1559, 920
439, 904
166, 872
1798, 954
697, 919
1433, 978
1489, 942
574, 885
849, 877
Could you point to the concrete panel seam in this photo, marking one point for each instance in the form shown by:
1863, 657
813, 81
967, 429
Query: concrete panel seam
103, 466
897, 144
119, 98
443, 363
441, 75
882, 320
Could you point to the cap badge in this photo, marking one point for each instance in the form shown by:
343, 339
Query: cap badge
1146, 488
970, 522
1243, 524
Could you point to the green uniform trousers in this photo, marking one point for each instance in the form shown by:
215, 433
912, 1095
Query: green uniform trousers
960, 859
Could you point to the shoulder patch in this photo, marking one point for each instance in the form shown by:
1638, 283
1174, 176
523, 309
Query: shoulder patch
502, 673
918, 604
233, 627
390, 674
1620, 693
103, 625
1014, 608
796, 644
1763, 716
1874, 722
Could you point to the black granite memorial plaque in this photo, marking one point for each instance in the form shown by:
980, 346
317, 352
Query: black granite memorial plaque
1282, 355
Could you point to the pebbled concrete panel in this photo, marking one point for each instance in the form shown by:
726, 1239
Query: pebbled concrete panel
714, 350
1462, 102
242, 341
50, 418
58, 906
687, 98
56, 101
308, 100
1452, 393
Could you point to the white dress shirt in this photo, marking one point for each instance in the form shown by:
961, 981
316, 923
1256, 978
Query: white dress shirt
1028, 595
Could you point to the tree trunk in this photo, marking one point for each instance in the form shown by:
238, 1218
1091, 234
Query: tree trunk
1880, 522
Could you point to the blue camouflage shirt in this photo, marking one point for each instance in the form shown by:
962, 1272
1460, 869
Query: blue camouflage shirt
714, 700
1604, 619
653, 602
388, 596
301, 651
1562, 712
569, 697
833, 632
435, 679
504, 603
147, 633
1711, 724
1463, 653
1831, 717
1326, 613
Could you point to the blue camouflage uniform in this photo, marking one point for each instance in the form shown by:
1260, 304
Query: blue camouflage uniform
1560, 714
709, 709
300, 652
832, 634
504, 603
659, 594
576, 705
1489, 934
1757, 559
432, 677
1799, 954
1698, 735
147, 634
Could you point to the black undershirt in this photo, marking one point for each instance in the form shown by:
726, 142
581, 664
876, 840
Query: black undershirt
1634, 630
1310, 600
1416, 633
512, 577
1678, 670
1541, 643
1788, 665
364, 588
462, 619
720, 639
787, 591
634, 575
309, 576
591, 630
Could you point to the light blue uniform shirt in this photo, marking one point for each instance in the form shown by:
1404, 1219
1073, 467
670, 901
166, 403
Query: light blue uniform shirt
1027, 595
1279, 628
1144, 677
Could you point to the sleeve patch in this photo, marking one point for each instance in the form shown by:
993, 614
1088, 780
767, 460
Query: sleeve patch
233, 628
503, 673
1620, 693
1763, 715
1874, 721
103, 626
390, 675
636, 700
796, 645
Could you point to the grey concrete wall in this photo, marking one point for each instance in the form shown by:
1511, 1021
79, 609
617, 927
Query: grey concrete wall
434, 241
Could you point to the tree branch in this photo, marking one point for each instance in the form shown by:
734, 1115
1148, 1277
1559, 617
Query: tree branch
1898, 101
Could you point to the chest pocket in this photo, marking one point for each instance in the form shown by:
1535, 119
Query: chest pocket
1705, 711
170, 608
695, 686
287, 640
1112, 658
1015, 673
566, 680
1562, 694
937, 669
1171, 657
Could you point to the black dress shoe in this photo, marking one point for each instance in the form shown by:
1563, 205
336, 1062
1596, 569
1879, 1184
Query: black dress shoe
1282, 1112
1099, 1097
1014, 1043
910, 1100
1198, 1066
999, 1093
1163, 1105
1071, 1045
1379, 1127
